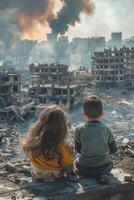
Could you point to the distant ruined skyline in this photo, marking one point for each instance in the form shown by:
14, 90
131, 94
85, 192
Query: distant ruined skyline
109, 16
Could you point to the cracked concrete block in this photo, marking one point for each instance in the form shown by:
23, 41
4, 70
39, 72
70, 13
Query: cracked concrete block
128, 178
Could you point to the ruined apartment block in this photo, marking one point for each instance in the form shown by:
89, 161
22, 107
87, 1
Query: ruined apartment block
50, 74
113, 68
129, 56
53, 83
10, 83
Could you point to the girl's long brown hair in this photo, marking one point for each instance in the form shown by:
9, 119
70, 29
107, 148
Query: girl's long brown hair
46, 135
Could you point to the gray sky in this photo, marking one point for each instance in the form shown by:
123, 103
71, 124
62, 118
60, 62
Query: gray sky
110, 16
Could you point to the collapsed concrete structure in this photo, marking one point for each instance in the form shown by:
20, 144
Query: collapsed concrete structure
16, 183
83, 77
114, 68
53, 83
10, 85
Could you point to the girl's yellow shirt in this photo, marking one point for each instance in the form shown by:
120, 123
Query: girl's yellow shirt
65, 159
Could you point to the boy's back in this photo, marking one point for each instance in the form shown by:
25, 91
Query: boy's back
92, 140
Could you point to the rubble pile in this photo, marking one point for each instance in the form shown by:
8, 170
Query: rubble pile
119, 115
11, 165
124, 158
8, 142
17, 183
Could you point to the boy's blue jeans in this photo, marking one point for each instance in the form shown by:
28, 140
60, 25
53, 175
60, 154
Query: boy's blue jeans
94, 172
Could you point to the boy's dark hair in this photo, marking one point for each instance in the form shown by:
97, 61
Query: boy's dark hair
92, 106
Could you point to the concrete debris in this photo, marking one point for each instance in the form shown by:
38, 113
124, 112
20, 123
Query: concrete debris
119, 115
129, 152
128, 178
19, 184
11, 168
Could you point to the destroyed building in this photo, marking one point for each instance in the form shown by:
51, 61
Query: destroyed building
129, 42
10, 85
53, 83
116, 40
129, 56
113, 68
50, 74
82, 76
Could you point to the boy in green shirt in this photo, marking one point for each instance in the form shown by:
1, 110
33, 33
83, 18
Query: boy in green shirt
94, 142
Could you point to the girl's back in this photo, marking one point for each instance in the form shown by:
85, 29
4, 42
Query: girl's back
56, 162
45, 144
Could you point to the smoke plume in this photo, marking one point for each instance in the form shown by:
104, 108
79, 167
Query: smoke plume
33, 19
27, 16
70, 14
8, 29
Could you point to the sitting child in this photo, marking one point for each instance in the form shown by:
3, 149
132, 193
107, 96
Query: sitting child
46, 146
94, 142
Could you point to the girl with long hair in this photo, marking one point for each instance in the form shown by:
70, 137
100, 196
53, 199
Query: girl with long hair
46, 145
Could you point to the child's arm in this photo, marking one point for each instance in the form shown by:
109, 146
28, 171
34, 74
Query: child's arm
112, 143
77, 141
67, 159
112, 147
67, 162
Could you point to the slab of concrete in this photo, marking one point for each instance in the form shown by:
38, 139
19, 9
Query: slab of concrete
63, 190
